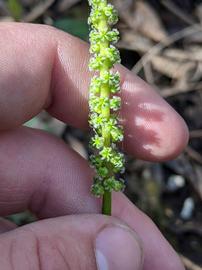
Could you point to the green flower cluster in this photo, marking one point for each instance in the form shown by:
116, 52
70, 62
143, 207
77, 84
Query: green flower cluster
104, 103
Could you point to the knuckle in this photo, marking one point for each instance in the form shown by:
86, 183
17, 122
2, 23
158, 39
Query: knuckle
28, 250
48, 254
54, 251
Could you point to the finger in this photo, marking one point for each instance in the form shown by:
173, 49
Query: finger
158, 252
41, 67
51, 180
44, 175
6, 225
73, 242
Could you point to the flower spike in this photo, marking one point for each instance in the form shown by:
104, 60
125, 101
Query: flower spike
104, 103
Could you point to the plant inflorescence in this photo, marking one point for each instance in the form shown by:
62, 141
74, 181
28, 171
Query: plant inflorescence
104, 103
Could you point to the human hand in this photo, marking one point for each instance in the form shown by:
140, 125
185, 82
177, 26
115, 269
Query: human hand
43, 68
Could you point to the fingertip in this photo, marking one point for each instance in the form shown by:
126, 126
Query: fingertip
154, 131
175, 137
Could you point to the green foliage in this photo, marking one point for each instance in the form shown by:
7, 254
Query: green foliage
22, 218
15, 9
78, 28
103, 100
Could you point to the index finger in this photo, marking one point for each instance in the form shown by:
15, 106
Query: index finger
43, 68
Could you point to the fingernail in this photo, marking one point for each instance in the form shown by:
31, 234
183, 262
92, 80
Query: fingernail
117, 248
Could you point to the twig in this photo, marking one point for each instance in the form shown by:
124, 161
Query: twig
189, 264
172, 91
66, 4
177, 12
196, 28
196, 134
149, 74
193, 154
173, 69
38, 10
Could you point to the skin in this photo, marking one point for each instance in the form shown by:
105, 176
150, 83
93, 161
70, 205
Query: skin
43, 68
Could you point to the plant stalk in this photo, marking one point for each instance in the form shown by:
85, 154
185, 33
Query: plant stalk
104, 103
106, 203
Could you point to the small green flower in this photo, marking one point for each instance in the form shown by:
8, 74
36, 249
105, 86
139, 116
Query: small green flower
96, 63
95, 17
111, 184
93, 103
103, 171
96, 121
97, 142
95, 85
96, 104
106, 153
105, 77
112, 36
115, 103
110, 124
119, 185
97, 189
111, 14
114, 83
117, 134
96, 161
117, 161
111, 55
95, 48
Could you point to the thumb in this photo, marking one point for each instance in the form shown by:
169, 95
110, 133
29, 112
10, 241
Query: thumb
82, 242
117, 248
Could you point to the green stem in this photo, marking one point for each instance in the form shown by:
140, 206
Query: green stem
105, 92
106, 203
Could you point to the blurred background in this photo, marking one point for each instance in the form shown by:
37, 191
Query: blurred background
161, 41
